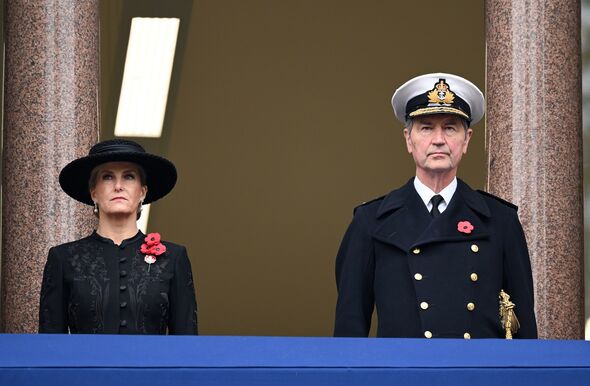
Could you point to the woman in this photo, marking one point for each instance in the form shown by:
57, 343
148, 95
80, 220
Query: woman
117, 280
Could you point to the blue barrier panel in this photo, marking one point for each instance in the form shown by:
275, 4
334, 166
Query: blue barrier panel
217, 360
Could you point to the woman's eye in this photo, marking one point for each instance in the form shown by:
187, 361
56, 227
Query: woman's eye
129, 176
107, 177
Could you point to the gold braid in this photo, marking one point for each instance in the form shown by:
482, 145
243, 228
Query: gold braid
507, 315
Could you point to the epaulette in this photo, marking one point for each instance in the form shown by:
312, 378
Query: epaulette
498, 199
368, 202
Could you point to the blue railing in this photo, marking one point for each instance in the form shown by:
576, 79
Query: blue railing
218, 360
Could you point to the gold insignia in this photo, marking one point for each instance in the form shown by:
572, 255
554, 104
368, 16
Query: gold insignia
508, 317
441, 94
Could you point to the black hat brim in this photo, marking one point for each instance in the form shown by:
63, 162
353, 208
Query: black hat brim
161, 174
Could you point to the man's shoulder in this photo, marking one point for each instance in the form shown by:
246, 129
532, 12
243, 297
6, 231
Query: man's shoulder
497, 201
371, 204
387, 201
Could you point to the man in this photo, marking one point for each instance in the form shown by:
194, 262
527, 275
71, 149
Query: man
434, 255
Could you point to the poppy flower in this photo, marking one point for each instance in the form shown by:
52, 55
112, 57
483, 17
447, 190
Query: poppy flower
464, 227
152, 248
152, 239
157, 249
144, 249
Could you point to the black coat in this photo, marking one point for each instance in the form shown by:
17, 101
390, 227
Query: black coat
94, 286
422, 273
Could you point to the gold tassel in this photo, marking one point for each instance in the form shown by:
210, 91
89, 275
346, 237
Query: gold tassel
507, 315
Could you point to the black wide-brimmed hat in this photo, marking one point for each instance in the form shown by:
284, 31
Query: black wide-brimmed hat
160, 173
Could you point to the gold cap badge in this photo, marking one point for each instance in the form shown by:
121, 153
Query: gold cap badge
441, 94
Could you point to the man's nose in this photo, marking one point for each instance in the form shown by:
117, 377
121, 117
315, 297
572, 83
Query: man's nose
438, 136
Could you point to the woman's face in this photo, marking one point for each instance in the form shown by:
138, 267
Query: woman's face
118, 189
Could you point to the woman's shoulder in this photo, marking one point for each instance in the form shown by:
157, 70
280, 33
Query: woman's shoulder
68, 246
173, 248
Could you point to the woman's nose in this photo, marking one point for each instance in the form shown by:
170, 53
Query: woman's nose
118, 183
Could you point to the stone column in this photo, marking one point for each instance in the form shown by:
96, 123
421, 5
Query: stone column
50, 118
534, 143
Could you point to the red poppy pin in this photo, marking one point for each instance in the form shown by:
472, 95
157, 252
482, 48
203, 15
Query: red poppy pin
152, 248
464, 227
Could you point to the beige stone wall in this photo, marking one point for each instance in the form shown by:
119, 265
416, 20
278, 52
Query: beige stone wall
279, 122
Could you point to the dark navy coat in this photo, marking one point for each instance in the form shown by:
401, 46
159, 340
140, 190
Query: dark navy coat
424, 276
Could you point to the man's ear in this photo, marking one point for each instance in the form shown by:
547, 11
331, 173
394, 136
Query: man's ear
408, 140
468, 135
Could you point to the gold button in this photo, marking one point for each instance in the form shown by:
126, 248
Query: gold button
428, 334
416, 251
418, 276
424, 305
473, 276
470, 306
467, 335
474, 248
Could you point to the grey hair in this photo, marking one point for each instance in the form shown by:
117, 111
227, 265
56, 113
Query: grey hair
408, 125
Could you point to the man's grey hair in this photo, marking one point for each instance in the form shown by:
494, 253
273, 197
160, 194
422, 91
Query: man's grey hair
410, 123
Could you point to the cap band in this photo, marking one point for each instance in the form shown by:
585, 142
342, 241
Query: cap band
438, 100
437, 110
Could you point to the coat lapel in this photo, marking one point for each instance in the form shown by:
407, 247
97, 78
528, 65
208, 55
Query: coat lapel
466, 205
403, 217
405, 221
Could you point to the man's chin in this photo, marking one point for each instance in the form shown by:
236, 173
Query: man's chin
438, 167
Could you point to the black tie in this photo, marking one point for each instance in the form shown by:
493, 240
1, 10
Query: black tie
436, 200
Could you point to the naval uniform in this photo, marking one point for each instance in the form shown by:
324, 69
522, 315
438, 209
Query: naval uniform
427, 278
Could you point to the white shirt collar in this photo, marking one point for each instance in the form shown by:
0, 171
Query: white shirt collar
426, 193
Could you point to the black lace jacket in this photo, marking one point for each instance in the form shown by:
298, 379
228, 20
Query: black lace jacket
93, 286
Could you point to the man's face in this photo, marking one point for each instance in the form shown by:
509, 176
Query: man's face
437, 143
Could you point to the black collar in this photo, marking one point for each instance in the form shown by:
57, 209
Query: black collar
138, 236
399, 197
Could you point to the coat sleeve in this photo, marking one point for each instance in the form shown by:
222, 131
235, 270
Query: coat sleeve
518, 278
355, 265
54, 297
183, 304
